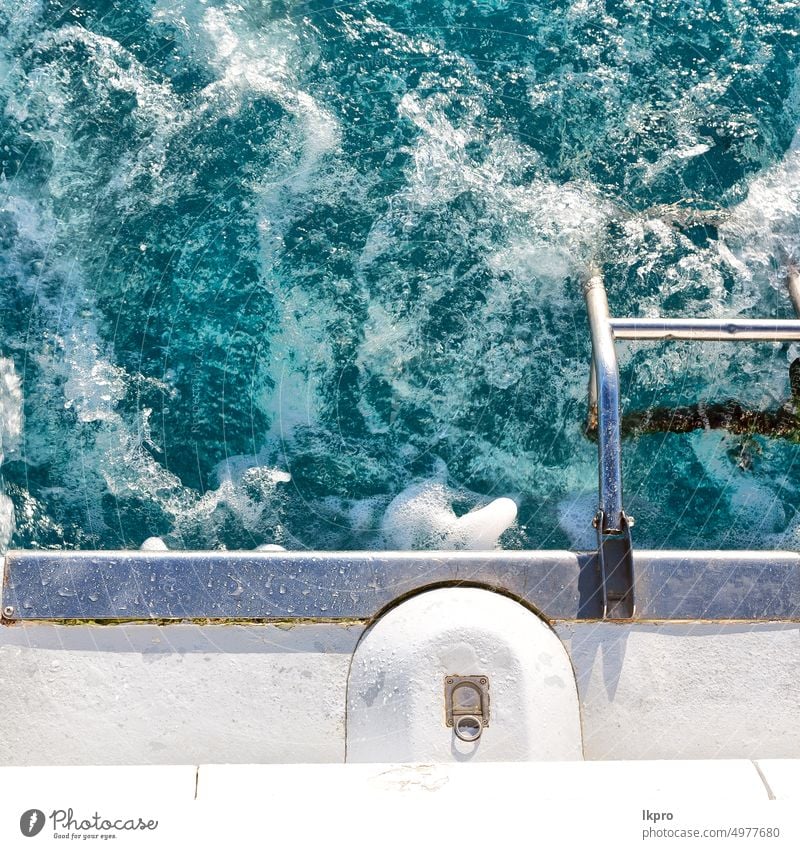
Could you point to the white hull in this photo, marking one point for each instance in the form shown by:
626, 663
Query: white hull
186, 693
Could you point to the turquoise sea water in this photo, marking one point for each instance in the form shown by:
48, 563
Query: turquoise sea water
308, 273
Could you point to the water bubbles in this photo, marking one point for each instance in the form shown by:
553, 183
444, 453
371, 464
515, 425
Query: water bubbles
10, 431
422, 517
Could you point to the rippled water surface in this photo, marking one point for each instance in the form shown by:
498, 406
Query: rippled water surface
308, 274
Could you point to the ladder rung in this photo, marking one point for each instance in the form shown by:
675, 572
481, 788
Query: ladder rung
709, 329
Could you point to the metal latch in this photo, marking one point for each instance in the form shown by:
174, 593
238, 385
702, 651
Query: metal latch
615, 559
466, 702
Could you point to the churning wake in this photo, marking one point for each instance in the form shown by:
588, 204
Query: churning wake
308, 275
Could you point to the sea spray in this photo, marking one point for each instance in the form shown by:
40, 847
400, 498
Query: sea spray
10, 430
422, 517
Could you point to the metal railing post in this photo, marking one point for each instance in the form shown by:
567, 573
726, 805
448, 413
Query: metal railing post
793, 285
614, 554
606, 386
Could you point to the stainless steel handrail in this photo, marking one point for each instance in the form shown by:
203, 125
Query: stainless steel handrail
708, 329
606, 381
614, 555
793, 285
614, 543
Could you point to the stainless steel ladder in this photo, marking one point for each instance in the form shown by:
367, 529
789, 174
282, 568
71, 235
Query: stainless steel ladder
614, 546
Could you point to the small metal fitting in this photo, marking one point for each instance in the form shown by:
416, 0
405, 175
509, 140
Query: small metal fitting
466, 699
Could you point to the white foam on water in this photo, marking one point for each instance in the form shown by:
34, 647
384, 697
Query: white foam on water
298, 351
50, 96
533, 235
756, 239
253, 55
700, 278
264, 62
763, 231
20, 17
246, 489
422, 517
115, 455
93, 386
258, 60
365, 515
482, 528
10, 408
551, 230
755, 508
575, 515
153, 544
75, 363
10, 433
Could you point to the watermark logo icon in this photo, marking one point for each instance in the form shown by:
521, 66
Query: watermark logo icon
31, 822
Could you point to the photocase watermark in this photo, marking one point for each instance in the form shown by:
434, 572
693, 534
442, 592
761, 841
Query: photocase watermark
31, 822
67, 826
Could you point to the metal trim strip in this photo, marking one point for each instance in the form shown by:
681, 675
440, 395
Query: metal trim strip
278, 586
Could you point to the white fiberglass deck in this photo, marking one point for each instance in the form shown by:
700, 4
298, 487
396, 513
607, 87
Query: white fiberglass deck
260, 693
